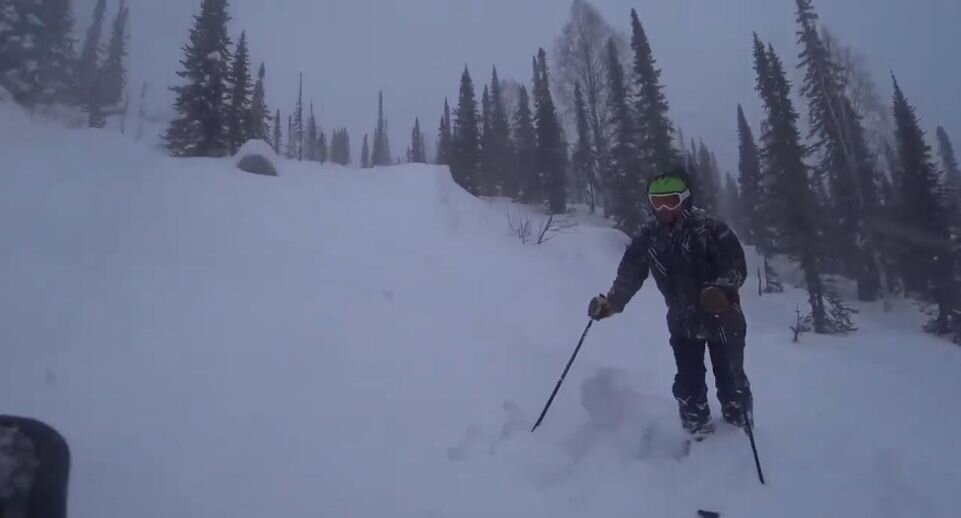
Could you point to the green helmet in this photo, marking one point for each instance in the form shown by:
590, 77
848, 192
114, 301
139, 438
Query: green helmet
667, 184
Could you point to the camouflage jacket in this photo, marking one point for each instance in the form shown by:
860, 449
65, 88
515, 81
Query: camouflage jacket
684, 258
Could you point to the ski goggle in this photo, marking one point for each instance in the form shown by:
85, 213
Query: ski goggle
670, 201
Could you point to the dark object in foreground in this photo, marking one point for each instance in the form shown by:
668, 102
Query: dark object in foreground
563, 375
34, 469
708, 514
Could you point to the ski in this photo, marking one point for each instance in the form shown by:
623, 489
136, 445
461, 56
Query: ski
701, 513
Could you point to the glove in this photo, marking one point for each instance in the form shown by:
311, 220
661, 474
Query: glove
600, 308
714, 300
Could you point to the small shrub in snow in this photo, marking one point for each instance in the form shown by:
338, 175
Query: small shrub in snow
838, 318
550, 226
801, 325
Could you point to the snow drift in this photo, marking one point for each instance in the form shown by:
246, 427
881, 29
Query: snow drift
336, 342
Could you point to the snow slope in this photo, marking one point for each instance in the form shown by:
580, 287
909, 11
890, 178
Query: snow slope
334, 342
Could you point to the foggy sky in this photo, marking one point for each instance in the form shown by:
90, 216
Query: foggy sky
415, 50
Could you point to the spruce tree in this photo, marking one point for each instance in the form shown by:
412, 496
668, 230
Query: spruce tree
484, 171
322, 153
501, 154
731, 203
551, 149
465, 158
114, 70
583, 159
258, 118
278, 135
239, 104
525, 142
749, 167
655, 128
380, 153
626, 173
291, 152
296, 133
365, 154
200, 127
345, 144
417, 153
926, 259
444, 137
788, 208
36, 51
949, 165
845, 158
91, 55
310, 145
709, 180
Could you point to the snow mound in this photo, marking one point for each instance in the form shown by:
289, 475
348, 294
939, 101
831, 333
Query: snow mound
257, 157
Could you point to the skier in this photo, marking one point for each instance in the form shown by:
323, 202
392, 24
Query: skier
34, 469
698, 265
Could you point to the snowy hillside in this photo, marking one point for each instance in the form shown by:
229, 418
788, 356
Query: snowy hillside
333, 342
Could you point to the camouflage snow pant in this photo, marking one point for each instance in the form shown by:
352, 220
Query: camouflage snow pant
727, 360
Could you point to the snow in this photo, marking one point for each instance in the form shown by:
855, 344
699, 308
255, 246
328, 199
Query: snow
339, 342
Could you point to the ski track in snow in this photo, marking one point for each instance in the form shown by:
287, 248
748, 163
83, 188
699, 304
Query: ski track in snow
336, 342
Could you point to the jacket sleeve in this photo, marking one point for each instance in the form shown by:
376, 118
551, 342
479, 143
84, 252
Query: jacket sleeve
728, 256
631, 273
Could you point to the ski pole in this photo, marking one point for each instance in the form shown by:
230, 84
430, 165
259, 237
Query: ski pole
748, 427
750, 435
564, 375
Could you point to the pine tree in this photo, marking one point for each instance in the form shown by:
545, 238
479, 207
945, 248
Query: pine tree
465, 158
417, 153
296, 132
751, 195
258, 118
310, 151
484, 171
114, 70
551, 149
927, 267
200, 126
239, 104
583, 159
36, 52
949, 164
844, 156
365, 154
788, 208
525, 142
627, 175
142, 112
731, 203
93, 106
291, 152
91, 55
655, 128
380, 153
278, 134
709, 180
340, 147
322, 153
496, 147
445, 137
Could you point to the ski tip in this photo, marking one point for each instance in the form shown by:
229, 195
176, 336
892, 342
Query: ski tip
707, 514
